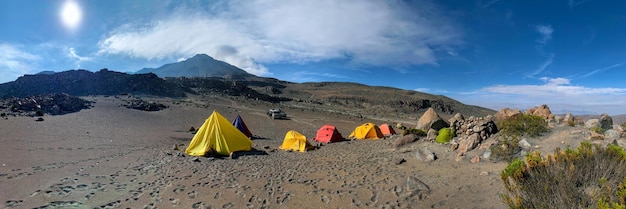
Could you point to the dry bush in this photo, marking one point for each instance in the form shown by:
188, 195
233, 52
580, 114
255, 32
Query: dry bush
588, 177
506, 148
416, 132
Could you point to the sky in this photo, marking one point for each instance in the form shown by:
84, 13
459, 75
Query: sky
568, 54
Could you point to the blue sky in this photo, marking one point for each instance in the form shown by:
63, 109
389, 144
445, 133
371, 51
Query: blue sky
568, 54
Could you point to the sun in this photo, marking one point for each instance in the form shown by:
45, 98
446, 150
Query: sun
71, 14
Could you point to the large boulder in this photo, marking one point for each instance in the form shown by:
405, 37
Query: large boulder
506, 113
468, 143
606, 122
429, 118
592, 123
543, 111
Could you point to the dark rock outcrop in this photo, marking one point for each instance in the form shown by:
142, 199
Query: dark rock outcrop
53, 104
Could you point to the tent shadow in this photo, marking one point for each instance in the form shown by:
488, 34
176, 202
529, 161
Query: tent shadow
252, 152
258, 138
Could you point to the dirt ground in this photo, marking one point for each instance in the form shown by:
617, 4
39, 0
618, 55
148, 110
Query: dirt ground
113, 157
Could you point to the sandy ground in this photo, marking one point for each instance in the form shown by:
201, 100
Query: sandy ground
113, 157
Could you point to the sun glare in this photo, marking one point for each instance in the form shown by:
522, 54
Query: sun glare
71, 14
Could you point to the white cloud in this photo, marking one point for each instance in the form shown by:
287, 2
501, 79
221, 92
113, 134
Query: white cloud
543, 66
600, 70
546, 33
14, 62
558, 93
246, 33
77, 58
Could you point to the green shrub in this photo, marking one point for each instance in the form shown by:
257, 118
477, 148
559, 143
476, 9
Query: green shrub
571, 123
523, 125
3, 114
588, 177
417, 132
39, 113
445, 135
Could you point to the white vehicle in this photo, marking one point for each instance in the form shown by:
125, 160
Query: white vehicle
276, 113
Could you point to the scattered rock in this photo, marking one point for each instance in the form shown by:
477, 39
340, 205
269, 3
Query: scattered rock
425, 155
195, 159
404, 140
39, 119
475, 159
399, 161
487, 154
484, 173
525, 144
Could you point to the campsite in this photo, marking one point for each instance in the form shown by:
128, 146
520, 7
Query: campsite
109, 156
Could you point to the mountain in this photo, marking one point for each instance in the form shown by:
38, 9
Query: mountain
83, 83
200, 65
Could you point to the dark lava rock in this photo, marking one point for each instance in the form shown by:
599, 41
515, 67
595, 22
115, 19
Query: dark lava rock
53, 104
140, 104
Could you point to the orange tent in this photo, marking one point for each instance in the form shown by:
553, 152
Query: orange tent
327, 134
386, 129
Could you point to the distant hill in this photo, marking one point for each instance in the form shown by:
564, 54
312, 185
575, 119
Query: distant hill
83, 82
200, 65
374, 101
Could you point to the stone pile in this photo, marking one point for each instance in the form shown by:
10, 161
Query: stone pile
471, 132
140, 104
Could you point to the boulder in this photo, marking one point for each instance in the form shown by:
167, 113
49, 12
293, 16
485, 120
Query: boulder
432, 135
468, 143
592, 123
568, 118
409, 138
507, 113
427, 119
543, 111
606, 122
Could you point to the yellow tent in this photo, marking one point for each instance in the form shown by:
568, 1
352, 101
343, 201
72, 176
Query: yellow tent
219, 135
295, 141
367, 131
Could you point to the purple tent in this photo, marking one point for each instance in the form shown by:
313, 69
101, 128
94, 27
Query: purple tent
238, 122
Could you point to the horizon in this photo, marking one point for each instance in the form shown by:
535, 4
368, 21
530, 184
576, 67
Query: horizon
494, 54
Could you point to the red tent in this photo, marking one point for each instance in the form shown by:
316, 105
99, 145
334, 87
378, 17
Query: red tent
327, 134
387, 130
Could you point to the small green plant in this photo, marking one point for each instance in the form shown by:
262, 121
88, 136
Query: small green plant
416, 132
39, 113
590, 176
3, 114
597, 129
445, 135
